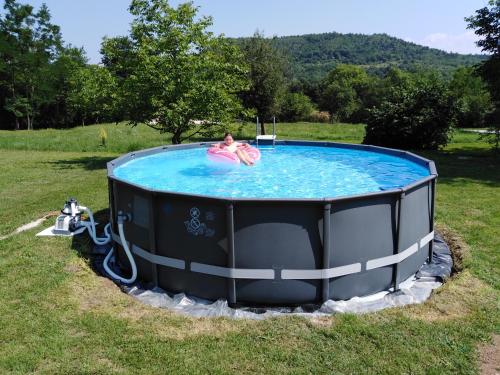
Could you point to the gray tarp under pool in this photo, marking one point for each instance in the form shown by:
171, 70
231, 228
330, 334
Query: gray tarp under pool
415, 289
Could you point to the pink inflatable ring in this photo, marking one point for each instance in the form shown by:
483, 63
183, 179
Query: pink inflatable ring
222, 155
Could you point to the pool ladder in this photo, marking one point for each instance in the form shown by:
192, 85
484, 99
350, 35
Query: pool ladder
265, 139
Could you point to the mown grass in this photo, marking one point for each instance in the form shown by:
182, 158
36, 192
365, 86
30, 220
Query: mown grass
58, 316
125, 138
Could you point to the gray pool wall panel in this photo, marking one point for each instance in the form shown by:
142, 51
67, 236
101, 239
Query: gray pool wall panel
275, 251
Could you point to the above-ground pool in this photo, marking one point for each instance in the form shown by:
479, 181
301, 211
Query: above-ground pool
310, 221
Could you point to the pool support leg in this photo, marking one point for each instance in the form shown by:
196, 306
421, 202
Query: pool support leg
152, 236
111, 201
431, 221
231, 283
326, 250
395, 267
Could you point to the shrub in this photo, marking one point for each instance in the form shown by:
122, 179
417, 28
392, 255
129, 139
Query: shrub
103, 136
348, 92
134, 146
319, 116
472, 98
296, 106
416, 115
492, 136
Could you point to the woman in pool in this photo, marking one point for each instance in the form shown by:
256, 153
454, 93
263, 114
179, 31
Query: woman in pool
236, 147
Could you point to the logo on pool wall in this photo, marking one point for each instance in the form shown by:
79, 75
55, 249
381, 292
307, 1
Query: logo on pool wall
195, 227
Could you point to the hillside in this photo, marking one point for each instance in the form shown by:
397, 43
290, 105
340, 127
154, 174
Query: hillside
312, 56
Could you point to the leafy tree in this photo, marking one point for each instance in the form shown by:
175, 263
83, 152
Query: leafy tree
177, 76
14, 30
486, 23
92, 93
296, 106
472, 97
19, 106
118, 55
30, 44
492, 135
347, 93
120, 58
59, 112
267, 76
395, 79
417, 114
311, 88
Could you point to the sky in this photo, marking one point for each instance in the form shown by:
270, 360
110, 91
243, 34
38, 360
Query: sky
434, 23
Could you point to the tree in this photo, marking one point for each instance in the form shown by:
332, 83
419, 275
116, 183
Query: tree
311, 88
486, 23
267, 78
395, 79
347, 93
15, 28
471, 96
492, 135
92, 93
296, 106
117, 56
417, 114
30, 44
59, 112
178, 77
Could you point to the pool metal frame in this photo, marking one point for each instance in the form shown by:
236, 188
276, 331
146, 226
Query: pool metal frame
398, 224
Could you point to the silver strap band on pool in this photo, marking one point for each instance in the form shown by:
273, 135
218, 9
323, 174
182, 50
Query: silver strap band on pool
158, 259
326, 273
392, 259
286, 274
153, 258
398, 258
424, 241
233, 273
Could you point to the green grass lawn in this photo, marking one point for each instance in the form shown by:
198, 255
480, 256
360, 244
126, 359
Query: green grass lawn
123, 138
58, 316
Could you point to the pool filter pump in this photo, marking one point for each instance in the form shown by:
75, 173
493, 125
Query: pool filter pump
70, 222
70, 218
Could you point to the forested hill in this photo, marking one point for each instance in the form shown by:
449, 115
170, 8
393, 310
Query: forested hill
312, 56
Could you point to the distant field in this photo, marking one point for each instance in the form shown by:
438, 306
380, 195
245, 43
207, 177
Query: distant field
58, 316
125, 138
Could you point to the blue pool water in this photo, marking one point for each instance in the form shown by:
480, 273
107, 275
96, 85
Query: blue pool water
282, 172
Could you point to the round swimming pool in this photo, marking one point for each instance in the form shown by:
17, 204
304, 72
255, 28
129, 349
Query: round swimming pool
310, 221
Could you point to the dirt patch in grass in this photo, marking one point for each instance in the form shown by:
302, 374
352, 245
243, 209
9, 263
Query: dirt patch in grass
30, 225
322, 321
489, 357
461, 293
460, 251
73, 268
100, 296
457, 298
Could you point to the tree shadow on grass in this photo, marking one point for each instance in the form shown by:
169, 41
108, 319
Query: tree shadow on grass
89, 163
475, 165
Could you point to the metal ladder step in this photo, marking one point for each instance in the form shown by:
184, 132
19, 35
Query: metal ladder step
266, 138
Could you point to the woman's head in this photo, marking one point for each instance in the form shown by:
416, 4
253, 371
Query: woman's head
228, 138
